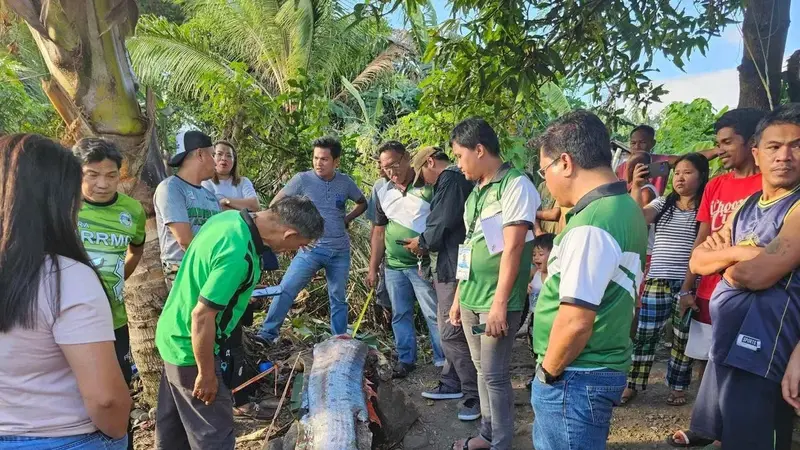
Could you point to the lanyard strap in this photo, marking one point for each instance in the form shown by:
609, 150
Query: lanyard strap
477, 211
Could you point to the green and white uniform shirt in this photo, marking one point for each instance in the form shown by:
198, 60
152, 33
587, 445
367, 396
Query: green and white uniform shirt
597, 263
510, 198
106, 230
404, 214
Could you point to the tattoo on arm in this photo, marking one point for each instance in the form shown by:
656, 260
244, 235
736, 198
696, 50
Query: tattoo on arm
774, 247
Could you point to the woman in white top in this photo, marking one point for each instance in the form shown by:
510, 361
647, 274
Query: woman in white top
668, 280
60, 383
232, 191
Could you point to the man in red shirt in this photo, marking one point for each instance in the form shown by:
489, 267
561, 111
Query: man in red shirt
722, 197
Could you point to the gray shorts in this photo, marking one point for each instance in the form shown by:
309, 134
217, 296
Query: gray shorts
184, 422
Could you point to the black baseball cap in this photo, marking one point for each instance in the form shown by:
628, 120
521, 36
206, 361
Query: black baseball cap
188, 141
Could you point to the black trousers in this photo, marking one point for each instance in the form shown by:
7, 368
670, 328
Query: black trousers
122, 346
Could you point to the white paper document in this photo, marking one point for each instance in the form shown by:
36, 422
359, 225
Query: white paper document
493, 233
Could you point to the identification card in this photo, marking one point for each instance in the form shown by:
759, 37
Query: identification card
464, 261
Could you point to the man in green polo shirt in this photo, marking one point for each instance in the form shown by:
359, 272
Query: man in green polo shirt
493, 269
585, 307
212, 289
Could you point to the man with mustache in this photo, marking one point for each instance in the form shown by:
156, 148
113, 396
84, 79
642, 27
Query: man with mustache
722, 196
755, 308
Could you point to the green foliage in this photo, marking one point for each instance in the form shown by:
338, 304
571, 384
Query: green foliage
23, 112
686, 127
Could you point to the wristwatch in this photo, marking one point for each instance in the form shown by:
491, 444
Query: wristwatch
545, 377
227, 202
682, 294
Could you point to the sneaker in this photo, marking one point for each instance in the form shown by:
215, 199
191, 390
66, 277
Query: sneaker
402, 370
442, 392
439, 363
470, 410
267, 343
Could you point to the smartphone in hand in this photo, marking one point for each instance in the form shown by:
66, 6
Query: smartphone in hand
479, 329
402, 242
658, 169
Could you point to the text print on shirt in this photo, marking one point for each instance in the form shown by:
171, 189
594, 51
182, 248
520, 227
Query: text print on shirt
720, 211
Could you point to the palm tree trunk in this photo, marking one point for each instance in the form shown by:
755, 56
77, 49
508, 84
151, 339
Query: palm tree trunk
764, 31
93, 88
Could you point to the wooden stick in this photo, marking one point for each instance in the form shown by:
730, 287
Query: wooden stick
283, 397
254, 379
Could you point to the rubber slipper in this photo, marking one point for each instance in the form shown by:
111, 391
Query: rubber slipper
692, 439
625, 400
676, 400
466, 444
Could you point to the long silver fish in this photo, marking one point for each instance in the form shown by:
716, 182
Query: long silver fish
337, 416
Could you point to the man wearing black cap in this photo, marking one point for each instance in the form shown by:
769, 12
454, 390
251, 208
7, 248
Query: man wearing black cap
182, 206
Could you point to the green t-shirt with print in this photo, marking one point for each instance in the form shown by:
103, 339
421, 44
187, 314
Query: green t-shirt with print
106, 230
597, 262
511, 196
221, 268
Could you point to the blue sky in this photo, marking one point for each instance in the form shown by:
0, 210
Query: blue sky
712, 76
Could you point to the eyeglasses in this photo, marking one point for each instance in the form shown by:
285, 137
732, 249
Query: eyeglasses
395, 166
541, 172
223, 156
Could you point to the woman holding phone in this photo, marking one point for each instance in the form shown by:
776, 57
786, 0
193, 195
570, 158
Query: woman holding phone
674, 219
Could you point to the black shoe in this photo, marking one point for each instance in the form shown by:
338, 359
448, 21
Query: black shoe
402, 370
263, 342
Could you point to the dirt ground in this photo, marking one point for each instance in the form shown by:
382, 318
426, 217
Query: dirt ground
643, 424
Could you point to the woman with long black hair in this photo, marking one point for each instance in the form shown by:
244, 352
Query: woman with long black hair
60, 383
675, 219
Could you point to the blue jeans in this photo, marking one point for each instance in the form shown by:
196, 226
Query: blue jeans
403, 285
574, 413
303, 267
92, 441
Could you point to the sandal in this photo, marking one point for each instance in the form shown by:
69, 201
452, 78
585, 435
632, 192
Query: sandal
465, 446
625, 400
253, 411
676, 400
689, 438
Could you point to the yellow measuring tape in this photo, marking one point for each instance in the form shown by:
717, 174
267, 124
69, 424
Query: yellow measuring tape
363, 311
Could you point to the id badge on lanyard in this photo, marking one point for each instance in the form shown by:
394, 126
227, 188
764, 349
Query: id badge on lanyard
464, 261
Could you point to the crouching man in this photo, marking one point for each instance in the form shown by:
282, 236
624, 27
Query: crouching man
211, 291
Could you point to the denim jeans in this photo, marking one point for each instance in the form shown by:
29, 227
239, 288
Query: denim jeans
575, 412
492, 359
403, 285
303, 267
92, 441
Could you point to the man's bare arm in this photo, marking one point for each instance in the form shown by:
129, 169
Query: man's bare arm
182, 232
357, 211
571, 331
779, 258
277, 197
550, 215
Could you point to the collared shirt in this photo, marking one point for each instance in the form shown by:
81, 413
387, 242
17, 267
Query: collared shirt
445, 230
757, 331
512, 196
330, 197
404, 214
597, 262
221, 268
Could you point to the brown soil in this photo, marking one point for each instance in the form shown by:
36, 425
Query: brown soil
643, 424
